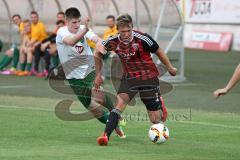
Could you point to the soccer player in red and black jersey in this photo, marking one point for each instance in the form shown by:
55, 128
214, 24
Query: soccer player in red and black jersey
140, 74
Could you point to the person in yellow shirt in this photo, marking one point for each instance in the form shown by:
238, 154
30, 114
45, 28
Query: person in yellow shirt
38, 34
38, 30
110, 31
112, 28
12, 54
26, 50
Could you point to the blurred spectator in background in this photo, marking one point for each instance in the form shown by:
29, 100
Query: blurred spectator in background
26, 50
38, 34
110, 31
38, 29
112, 28
60, 17
48, 49
13, 52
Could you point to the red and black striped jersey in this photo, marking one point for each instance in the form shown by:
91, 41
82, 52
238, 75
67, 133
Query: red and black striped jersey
135, 55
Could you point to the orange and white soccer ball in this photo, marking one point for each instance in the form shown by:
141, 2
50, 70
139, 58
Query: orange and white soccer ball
158, 133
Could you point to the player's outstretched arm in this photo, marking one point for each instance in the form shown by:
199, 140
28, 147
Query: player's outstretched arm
98, 42
232, 82
164, 59
98, 56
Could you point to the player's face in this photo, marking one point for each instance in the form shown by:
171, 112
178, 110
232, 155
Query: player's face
110, 22
73, 25
34, 18
125, 33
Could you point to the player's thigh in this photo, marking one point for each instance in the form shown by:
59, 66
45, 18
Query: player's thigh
125, 91
150, 95
122, 101
82, 91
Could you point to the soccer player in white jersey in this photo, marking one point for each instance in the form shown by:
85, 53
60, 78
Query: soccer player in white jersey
78, 63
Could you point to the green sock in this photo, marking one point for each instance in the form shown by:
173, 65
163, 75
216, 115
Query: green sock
22, 66
28, 67
55, 61
15, 57
104, 117
5, 62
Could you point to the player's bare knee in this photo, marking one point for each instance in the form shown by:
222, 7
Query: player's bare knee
94, 103
154, 116
95, 108
98, 96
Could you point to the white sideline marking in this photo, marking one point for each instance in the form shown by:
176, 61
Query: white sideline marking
28, 108
184, 84
33, 108
16, 86
210, 124
186, 122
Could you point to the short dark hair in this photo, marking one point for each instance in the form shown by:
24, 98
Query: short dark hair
34, 12
124, 20
16, 15
110, 17
61, 12
72, 13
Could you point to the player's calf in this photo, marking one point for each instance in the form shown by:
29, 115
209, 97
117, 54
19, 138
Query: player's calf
164, 110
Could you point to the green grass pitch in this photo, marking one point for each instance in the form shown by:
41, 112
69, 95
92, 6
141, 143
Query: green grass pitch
200, 127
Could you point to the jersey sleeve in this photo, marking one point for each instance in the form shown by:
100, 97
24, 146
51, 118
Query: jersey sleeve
90, 34
105, 43
109, 44
61, 34
150, 44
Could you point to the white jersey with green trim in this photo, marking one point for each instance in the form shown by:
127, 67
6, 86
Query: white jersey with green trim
78, 61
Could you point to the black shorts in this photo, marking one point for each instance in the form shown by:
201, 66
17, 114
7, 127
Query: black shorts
149, 91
